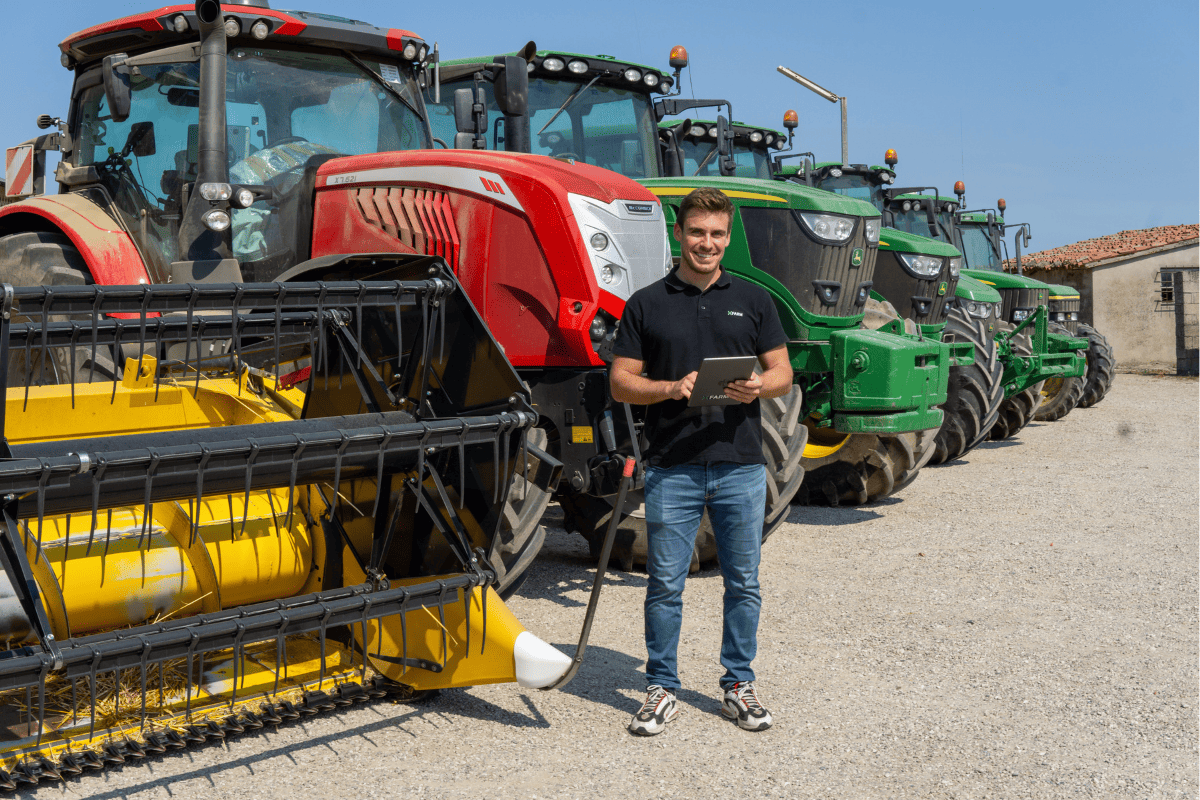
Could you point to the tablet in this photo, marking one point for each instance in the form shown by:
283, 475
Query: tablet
709, 389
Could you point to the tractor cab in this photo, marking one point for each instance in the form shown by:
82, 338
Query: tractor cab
980, 234
852, 180
593, 109
300, 88
696, 144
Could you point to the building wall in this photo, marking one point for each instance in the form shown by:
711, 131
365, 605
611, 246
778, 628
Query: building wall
1123, 301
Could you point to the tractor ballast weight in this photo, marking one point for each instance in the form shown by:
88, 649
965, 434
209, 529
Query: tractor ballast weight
319, 474
304, 172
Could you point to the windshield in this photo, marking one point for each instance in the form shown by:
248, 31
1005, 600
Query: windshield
916, 221
977, 248
751, 162
851, 185
605, 126
283, 107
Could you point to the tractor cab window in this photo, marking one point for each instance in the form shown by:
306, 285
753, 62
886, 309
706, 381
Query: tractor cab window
916, 221
283, 109
851, 185
700, 158
978, 249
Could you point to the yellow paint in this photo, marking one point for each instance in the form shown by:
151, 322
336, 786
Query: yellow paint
581, 434
423, 628
989, 283
1064, 297
665, 191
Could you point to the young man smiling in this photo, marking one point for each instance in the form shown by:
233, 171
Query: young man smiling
704, 456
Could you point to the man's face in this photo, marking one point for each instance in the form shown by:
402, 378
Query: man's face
703, 238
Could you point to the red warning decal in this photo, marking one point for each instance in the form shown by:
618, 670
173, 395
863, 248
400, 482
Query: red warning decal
491, 186
18, 171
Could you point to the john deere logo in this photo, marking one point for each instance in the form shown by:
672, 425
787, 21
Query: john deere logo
942, 289
856, 258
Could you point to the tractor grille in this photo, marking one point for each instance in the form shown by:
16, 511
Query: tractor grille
642, 244
923, 301
1012, 299
1066, 313
779, 247
419, 218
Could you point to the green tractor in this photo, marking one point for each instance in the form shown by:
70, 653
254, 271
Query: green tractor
1029, 359
855, 425
983, 246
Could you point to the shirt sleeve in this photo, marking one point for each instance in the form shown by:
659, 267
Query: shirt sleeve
629, 343
770, 329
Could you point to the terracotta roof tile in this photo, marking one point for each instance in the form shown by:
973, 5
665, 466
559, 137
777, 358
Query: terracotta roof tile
1082, 255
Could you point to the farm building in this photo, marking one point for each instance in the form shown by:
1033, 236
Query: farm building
1139, 288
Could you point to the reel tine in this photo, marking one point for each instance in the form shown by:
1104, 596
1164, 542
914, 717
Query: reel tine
118, 329
107, 536
145, 657
505, 477
199, 348
158, 352
300, 447
194, 639
525, 454
358, 319
232, 529
74, 703
28, 366
74, 339
442, 621
147, 506
462, 463
281, 650
237, 337
205, 453
278, 320
496, 469
483, 592
46, 661
255, 447
337, 470
403, 632
467, 617
44, 348
142, 327
95, 331
187, 344
93, 690
41, 505
237, 661
379, 494
324, 630
399, 329
322, 340
365, 613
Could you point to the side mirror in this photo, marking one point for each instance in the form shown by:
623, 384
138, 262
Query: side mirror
141, 139
470, 119
116, 86
512, 97
725, 163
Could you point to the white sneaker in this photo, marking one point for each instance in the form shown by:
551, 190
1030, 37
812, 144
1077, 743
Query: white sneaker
741, 703
659, 709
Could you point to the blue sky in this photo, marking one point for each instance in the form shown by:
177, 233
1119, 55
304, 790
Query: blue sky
1083, 116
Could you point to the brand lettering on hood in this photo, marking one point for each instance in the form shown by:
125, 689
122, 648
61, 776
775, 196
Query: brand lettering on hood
640, 208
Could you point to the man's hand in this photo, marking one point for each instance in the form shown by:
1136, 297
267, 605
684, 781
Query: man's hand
746, 391
682, 388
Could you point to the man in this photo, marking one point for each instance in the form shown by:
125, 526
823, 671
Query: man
701, 457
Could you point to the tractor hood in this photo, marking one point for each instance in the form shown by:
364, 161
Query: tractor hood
791, 195
978, 291
1004, 280
901, 242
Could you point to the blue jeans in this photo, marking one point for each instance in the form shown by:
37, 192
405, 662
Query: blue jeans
735, 496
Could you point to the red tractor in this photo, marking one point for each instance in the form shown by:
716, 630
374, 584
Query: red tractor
246, 144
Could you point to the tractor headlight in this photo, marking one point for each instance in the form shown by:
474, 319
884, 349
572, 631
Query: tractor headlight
872, 231
712, 130
979, 310
260, 30
216, 220
1021, 314
780, 143
633, 75
180, 23
756, 137
599, 241
553, 64
651, 79
835, 173
920, 266
955, 266
243, 198
216, 191
598, 329
577, 66
697, 130
1074, 315
608, 275
233, 28
828, 227
410, 52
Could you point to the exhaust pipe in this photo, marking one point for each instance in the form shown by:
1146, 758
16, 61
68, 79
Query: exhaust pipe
196, 241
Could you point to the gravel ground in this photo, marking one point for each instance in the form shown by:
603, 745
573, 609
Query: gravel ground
1021, 623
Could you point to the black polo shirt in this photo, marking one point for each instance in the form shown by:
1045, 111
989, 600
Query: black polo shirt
672, 326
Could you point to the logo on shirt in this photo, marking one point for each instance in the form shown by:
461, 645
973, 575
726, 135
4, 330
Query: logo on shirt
735, 313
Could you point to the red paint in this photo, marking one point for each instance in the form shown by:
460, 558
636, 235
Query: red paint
525, 270
148, 21
107, 250
397, 36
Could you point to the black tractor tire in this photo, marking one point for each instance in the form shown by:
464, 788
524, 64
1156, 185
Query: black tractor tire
1059, 395
784, 437
868, 467
1101, 367
522, 533
974, 393
1017, 411
42, 258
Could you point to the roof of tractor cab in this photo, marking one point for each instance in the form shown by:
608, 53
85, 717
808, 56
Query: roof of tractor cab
741, 131
853, 167
612, 71
155, 29
978, 217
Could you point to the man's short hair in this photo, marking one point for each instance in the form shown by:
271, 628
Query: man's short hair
705, 200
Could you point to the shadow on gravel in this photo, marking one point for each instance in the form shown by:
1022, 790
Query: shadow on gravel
836, 515
609, 677
1001, 443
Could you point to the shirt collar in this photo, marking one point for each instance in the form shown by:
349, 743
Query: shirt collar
678, 284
